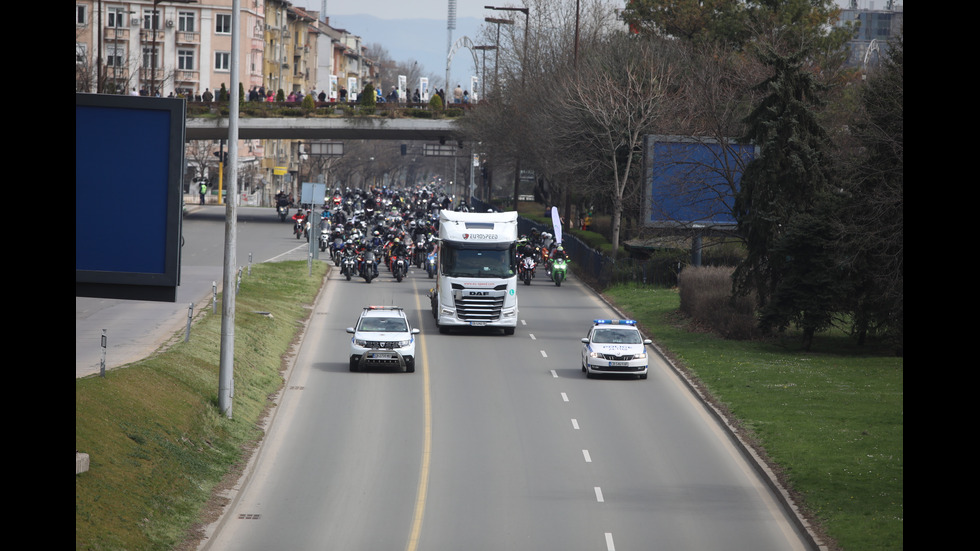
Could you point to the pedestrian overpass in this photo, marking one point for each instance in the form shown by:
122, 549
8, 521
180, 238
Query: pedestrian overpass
315, 128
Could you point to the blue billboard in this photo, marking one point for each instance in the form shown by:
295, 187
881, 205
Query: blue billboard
129, 159
691, 182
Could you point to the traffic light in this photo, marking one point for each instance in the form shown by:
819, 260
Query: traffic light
220, 155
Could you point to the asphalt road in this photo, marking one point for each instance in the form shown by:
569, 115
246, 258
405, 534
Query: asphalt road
496, 442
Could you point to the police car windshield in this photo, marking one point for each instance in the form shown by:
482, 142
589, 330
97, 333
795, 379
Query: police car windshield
383, 325
616, 336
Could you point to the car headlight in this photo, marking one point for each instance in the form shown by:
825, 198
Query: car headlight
640, 356
361, 342
594, 355
402, 344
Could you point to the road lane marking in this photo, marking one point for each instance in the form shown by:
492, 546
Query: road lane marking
532, 336
423, 487
588, 458
554, 374
564, 397
544, 354
575, 424
598, 494
610, 546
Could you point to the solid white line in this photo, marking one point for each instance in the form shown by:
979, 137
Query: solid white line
610, 546
588, 458
564, 397
598, 494
575, 424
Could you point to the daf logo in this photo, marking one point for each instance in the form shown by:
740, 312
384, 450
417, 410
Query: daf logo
479, 293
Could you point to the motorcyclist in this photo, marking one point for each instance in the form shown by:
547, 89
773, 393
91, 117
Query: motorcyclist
398, 248
559, 253
282, 200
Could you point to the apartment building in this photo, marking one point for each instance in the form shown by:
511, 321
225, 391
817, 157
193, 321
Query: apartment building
170, 48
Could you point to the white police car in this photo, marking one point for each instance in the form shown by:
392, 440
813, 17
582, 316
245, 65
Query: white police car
615, 347
382, 338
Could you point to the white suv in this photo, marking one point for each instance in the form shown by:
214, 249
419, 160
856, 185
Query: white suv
382, 338
615, 347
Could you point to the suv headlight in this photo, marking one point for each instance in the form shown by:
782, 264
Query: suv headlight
640, 356
361, 342
403, 344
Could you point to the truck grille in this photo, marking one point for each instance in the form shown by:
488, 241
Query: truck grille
478, 308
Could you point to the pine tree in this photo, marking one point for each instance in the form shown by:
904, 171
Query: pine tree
783, 192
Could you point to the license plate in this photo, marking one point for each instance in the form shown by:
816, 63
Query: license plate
619, 364
377, 356
478, 323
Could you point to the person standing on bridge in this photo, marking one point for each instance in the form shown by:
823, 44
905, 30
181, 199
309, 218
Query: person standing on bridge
203, 190
458, 94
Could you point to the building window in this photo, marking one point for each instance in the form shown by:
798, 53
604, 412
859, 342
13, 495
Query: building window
185, 60
81, 53
116, 18
222, 23
114, 55
185, 21
222, 61
151, 20
150, 60
81, 14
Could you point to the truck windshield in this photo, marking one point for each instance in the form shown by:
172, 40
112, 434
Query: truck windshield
477, 262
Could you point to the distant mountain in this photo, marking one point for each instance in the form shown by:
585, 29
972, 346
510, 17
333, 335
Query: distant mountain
421, 40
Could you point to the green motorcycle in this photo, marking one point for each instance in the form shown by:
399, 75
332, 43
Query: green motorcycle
559, 270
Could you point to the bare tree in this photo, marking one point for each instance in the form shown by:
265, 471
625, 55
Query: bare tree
621, 91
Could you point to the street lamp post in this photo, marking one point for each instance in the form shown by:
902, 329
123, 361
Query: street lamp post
483, 92
496, 59
527, 23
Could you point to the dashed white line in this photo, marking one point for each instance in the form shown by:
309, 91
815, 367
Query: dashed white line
598, 494
588, 458
554, 374
575, 424
523, 322
532, 336
564, 397
544, 354
610, 546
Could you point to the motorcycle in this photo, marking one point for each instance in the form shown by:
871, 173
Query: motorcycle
526, 269
559, 270
420, 251
335, 251
368, 265
298, 226
324, 239
348, 266
430, 264
398, 268
282, 211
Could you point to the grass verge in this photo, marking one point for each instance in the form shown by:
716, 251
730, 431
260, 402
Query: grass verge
157, 442
829, 420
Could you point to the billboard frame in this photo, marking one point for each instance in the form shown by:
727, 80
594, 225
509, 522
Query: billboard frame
129, 165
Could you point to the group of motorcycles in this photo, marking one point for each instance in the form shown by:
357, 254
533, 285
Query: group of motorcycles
366, 230
540, 249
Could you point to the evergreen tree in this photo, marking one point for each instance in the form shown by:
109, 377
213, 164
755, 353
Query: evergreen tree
783, 190
872, 222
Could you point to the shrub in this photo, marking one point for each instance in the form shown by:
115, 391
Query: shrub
435, 102
706, 297
309, 104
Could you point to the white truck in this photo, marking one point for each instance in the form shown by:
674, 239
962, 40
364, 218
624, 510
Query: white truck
476, 283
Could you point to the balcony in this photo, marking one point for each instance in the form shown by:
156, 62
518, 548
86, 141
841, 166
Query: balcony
185, 37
